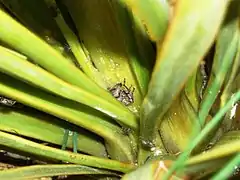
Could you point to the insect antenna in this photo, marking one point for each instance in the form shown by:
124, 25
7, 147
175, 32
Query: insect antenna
124, 82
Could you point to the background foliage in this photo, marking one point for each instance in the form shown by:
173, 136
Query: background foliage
176, 68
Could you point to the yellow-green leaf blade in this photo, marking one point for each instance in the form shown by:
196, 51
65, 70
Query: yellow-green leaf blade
38, 171
28, 72
192, 31
154, 15
20, 38
33, 124
15, 142
78, 114
225, 52
101, 32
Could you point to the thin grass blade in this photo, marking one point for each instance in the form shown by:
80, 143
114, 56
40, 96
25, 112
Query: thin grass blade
82, 116
33, 124
199, 138
32, 74
228, 170
15, 142
20, 38
153, 170
38, 171
73, 42
104, 27
139, 67
154, 15
177, 125
178, 57
226, 48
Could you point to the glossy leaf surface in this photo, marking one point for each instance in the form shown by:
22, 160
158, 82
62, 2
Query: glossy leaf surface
31, 123
178, 57
39, 171
32, 74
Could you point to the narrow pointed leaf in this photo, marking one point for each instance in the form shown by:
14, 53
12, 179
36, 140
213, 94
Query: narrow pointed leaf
152, 171
30, 73
38, 171
74, 44
228, 170
82, 116
198, 138
20, 38
177, 125
105, 30
15, 142
226, 48
39, 126
178, 57
220, 152
154, 15
140, 71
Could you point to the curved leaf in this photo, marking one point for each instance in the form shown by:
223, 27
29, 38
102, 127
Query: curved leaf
20, 38
218, 153
154, 15
73, 42
33, 124
15, 142
200, 137
146, 51
152, 171
177, 125
178, 57
32, 74
68, 110
37, 19
226, 48
139, 68
38, 171
104, 27
227, 171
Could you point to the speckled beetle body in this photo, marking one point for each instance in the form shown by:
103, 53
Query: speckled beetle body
7, 101
122, 93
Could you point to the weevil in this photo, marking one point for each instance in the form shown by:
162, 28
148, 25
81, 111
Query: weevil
7, 101
123, 93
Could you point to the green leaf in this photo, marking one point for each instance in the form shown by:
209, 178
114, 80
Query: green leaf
139, 67
32, 74
225, 52
228, 170
228, 138
41, 126
154, 15
191, 33
20, 38
103, 28
38, 171
151, 171
73, 42
75, 113
232, 84
39, 21
192, 88
15, 142
216, 154
146, 51
177, 125
200, 137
